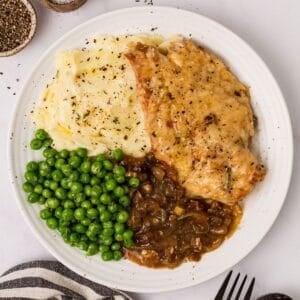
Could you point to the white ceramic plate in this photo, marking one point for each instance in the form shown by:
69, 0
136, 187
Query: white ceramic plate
274, 139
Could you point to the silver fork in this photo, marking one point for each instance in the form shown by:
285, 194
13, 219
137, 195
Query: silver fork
238, 295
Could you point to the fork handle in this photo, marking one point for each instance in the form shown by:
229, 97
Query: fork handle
275, 296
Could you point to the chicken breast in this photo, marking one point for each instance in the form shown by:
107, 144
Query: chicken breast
199, 118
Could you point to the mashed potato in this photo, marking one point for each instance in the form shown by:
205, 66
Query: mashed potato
92, 102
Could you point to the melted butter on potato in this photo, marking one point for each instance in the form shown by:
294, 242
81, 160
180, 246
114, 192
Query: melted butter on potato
92, 101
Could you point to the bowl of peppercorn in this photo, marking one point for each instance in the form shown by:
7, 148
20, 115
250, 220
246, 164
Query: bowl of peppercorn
17, 25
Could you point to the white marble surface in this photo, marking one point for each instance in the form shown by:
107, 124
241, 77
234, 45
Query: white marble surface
272, 28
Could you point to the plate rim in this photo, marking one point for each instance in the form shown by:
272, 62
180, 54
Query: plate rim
16, 187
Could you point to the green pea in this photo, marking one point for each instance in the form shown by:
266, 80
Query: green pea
66, 169
95, 228
80, 228
41, 200
57, 175
88, 190
31, 177
107, 240
61, 193
82, 152
134, 182
119, 228
95, 181
119, 171
76, 187
69, 204
95, 200
110, 184
122, 216
47, 183
52, 203
79, 198
93, 249
118, 154
108, 224
27, 187
124, 201
108, 176
103, 248
80, 213
66, 237
74, 238
113, 207
107, 256
108, 165
120, 179
105, 216
41, 134
100, 157
86, 204
51, 161
45, 214
32, 166
105, 198
44, 168
83, 245
68, 214
101, 208
108, 232
63, 154
86, 222
92, 213
85, 178
128, 243
47, 142
119, 192
74, 176
36, 144
64, 230
126, 189
96, 167
58, 212
127, 234
101, 174
115, 246
59, 163
49, 153
52, 223
33, 197
53, 186
47, 193
85, 167
75, 161
73, 153
117, 255
96, 191
118, 237
71, 195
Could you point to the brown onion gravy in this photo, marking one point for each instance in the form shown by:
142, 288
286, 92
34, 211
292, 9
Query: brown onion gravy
169, 227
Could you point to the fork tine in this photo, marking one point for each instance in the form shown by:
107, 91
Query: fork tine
250, 289
237, 297
233, 286
223, 287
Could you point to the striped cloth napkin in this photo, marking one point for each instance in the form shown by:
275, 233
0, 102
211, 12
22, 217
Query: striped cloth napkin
52, 280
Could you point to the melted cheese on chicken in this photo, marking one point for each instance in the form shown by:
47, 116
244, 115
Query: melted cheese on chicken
199, 117
92, 102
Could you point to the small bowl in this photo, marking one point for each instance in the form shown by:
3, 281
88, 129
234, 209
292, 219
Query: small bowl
33, 17
63, 7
